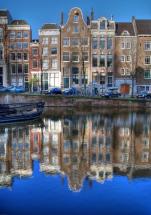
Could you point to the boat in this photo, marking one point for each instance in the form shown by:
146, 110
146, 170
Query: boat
10, 113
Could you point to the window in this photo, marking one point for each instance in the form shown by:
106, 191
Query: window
147, 74
75, 79
94, 61
102, 60
75, 57
12, 45
94, 43
84, 41
75, 18
25, 56
1, 33
25, 68
34, 64
53, 51
128, 58
45, 81
75, 70
54, 79
13, 68
128, 45
109, 42
19, 68
34, 51
45, 51
85, 56
45, 41
45, 64
66, 82
147, 60
18, 45
19, 56
54, 64
102, 24
12, 35
122, 45
12, 56
66, 56
54, 40
66, 41
147, 46
109, 60
1, 54
122, 58
25, 34
75, 29
102, 43
19, 35
25, 45
74, 41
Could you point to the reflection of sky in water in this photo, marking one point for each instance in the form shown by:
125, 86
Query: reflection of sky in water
103, 158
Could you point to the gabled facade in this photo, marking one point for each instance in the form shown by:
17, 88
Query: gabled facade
102, 52
75, 50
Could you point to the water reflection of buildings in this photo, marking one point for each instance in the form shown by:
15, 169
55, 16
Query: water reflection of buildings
94, 147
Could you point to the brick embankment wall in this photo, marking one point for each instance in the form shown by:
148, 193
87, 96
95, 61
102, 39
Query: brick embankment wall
78, 102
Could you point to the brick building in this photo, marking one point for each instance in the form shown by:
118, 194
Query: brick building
19, 37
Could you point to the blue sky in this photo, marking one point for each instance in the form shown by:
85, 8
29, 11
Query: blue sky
38, 12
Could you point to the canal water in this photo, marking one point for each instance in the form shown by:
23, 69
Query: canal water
77, 162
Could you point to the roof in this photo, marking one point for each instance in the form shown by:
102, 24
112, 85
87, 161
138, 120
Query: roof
143, 26
50, 26
4, 12
124, 26
19, 22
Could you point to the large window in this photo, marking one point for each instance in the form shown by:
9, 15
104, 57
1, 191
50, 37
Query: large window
1, 33
66, 56
66, 82
102, 24
19, 68
75, 18
18, 45
25, 45
75, 79
94, 61
94, 43
34, 64
19, 35
54, 63
25, 34
45, 81
102, 43
34, 51
12, 35
147, 59
75, 70
85, 56
45, 51
1, 54
109, 60
45, 40
54, 79
147, 74
102, 60
122, 58
74, 41
19, 56
54, 40
25, 68
45, 64
75, 29
66, 41
12, 56
25, 56
53, 51
109, 42
13, 68
147, 45
84, 41
75, 57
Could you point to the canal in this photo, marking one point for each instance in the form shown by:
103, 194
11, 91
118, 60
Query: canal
77, 162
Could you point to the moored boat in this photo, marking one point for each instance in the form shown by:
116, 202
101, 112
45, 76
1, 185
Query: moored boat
10, 113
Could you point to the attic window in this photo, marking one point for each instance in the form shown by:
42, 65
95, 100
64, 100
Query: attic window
125, 33
76, 17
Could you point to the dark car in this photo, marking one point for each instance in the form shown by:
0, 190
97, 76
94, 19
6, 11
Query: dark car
111, 94
16, 89
70, 92
55, 91
144, 95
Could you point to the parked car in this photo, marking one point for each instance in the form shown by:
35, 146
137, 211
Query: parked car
55, 91
3, 89
70, 91
112, 93
144, 95
16, 89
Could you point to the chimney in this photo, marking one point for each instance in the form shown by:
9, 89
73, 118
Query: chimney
88, 20
62, 18
92, 14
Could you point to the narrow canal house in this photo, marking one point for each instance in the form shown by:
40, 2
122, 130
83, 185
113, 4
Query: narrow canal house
18, 40
102, 52
49, 38
75, 50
